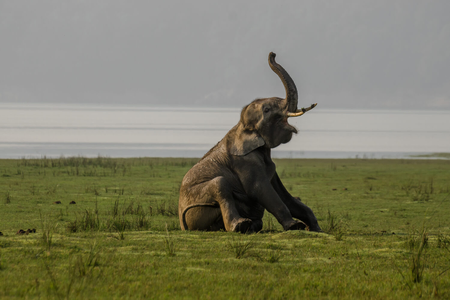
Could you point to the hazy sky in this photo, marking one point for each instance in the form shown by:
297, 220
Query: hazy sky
352, 53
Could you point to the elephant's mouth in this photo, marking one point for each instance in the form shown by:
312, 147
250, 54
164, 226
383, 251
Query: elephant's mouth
289, 126
297, 113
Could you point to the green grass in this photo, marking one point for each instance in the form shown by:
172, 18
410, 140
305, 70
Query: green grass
386, 223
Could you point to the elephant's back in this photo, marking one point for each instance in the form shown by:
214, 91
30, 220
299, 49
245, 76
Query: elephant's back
215, 163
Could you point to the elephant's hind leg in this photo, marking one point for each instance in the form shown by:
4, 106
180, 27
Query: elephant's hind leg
216, 191
231, 217
203, 217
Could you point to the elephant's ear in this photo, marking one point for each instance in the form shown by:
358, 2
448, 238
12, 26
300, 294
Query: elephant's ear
246, 142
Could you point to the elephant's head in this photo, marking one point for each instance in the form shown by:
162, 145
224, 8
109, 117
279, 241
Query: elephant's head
264, 122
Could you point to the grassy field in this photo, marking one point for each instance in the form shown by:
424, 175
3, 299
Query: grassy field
387, 234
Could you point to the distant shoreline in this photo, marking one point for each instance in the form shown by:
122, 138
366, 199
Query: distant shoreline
89, 131
164, 153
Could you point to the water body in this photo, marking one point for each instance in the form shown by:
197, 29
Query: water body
37, 130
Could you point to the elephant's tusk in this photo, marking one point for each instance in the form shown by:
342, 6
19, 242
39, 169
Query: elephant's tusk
300, 112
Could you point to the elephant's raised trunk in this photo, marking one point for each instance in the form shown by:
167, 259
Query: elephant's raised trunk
291, 90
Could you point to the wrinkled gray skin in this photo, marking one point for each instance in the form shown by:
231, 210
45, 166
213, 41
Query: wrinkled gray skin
235, 182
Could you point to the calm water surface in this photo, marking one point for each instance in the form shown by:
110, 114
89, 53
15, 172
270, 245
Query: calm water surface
35, 130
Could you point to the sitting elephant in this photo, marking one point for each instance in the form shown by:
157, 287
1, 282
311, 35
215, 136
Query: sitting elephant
235, 182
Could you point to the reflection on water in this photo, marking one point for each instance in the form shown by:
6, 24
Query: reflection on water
119, 131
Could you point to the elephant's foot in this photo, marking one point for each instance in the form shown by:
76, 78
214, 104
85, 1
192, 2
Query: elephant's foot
295, 225
257, 226
315, 228
242, 225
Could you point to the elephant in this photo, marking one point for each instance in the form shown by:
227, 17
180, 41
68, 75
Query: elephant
236, 181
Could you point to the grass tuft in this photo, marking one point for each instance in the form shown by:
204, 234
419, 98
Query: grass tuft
417, 256
2, 263
271, 256
48, 230
239, 246
8, 197
443, 241
334, 226
169, 244
84, 264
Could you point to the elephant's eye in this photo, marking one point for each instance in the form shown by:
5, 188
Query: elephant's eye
266, 109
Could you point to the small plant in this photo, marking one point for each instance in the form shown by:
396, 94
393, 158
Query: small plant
52, 189
417, 245
334, 226
119, 218
417, 264
120, 226
84, 265
239, 247
88, 221
61, 215
92, 189
340, 233
47, 237
273, 256
8, 197
146, 192
414, 241
167, 209
129, 210
169, 244
53, 281
5, 244
332, 222
115, 209
172, 225
2, 263
140, 221
419, 191
443, 241
150, 210
269, 225
48, 229
34, 190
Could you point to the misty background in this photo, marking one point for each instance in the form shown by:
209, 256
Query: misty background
341, 54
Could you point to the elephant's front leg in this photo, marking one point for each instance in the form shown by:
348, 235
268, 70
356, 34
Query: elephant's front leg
216, 191
270, 200
259, 188
302, 212
297, 209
